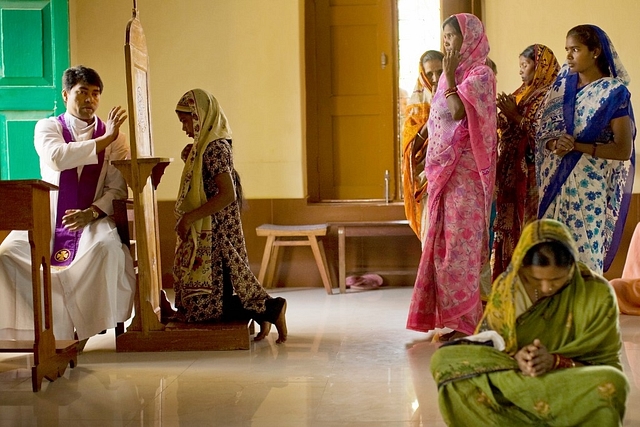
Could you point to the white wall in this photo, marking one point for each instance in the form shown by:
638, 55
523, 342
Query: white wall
246, 52
512, 25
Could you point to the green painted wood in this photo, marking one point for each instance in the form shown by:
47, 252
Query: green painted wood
34, 52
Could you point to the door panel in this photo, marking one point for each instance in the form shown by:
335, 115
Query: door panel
34, 52
18, 153
356, 109
352, 128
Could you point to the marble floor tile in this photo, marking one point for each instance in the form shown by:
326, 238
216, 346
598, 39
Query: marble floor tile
349, 361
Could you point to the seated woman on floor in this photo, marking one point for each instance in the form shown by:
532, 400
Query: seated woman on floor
551, 353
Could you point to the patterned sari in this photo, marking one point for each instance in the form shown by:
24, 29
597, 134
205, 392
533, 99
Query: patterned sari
481, 386
213, 255
460, 169
589, 194
415, 187
516, 190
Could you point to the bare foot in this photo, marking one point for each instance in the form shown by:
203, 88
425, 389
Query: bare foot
281, 325
265, 328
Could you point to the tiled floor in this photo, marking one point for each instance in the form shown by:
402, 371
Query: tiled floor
349, 361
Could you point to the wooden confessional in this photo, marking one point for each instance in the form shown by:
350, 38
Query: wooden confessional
142, 173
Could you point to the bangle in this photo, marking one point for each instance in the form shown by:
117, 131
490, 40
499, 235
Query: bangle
450, 91
420, 136
561, 362
593, 151
556, 361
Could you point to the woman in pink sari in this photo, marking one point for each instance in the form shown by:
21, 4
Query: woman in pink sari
460, 170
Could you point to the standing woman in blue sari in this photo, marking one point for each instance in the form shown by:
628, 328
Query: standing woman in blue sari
584, 153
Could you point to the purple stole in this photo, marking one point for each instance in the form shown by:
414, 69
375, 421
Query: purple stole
74, 193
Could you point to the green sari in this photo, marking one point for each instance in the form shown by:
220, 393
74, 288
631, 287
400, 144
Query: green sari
481, 386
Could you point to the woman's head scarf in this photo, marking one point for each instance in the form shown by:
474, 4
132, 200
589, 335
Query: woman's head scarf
209, 124
616, 69
545, 73
422, 90
475, 45
209, 121
500, 312
416, 115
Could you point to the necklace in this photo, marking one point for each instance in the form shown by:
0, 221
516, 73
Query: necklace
535, 294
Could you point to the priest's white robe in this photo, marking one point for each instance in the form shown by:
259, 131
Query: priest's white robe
96, 290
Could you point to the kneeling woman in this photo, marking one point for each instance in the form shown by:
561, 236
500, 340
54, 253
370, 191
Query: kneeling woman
558, 324
211, 268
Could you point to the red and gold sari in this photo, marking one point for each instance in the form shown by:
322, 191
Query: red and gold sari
516, 188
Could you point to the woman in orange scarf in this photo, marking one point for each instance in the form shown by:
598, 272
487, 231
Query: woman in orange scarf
516, 190
414, 139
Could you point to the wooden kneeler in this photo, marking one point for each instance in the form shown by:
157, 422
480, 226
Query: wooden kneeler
28, 209
143, 173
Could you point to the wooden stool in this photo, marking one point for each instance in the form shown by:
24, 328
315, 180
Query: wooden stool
295, 235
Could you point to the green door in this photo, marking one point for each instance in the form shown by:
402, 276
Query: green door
34, 52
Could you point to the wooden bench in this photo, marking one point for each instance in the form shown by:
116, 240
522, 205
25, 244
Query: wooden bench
364, 229
292, 235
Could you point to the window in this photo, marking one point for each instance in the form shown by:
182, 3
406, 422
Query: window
418, 31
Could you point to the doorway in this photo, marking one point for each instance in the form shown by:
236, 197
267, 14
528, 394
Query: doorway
361, 58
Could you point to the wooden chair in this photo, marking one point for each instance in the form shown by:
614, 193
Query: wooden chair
292, 235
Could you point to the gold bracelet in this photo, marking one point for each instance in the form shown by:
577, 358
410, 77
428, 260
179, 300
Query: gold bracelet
450, 91
561, 362
556, 361
420, 136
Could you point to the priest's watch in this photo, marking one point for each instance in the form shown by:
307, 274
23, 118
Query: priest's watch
94, 212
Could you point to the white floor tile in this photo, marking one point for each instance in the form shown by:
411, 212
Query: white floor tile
349, 361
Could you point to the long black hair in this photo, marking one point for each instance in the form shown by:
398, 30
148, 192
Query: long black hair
530, 53
546, 254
